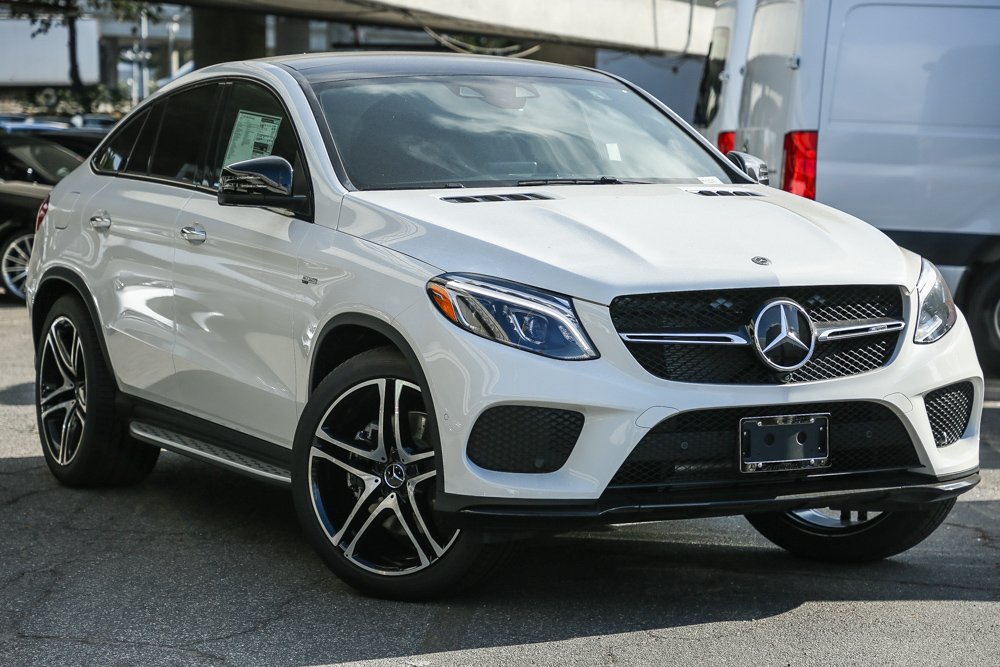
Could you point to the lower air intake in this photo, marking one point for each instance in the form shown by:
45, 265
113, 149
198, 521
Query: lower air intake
520, 438
948, 410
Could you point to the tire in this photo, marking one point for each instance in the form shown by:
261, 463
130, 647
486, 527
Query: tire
364, 484
847, 536
15, 250
984, 320
84, 441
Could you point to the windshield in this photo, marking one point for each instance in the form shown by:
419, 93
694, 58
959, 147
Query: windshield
408, 132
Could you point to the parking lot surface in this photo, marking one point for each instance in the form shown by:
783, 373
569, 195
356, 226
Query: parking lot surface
197, 566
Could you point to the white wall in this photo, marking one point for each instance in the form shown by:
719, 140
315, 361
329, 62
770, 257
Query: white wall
44, 60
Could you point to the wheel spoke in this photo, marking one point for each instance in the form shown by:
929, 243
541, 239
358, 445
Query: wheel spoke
64, 405
64, 357
57, 395
316, 452
67, 426
411, 486
421, 554
357, 512
379, 453
57, 357
379, 509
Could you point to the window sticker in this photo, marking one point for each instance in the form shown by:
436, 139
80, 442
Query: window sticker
253, 136
614, 153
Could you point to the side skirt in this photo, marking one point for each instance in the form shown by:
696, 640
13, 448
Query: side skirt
205, 441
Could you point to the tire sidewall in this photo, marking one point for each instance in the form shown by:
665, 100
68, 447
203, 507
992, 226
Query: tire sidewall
982, 306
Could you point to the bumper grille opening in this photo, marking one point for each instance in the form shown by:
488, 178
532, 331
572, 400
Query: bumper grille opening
520, 438
701, 447
949, 410
726, 311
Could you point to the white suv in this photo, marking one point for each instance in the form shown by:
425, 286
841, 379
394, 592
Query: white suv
452, 300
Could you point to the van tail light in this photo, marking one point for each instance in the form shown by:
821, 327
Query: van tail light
42, 211
799, 174
727, 141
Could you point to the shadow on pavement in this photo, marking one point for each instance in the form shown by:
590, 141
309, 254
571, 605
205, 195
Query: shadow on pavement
200, 566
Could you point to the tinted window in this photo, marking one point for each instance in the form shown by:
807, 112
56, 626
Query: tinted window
254, 124
36, 161
138, 161
184, 134
711, 82
115, 152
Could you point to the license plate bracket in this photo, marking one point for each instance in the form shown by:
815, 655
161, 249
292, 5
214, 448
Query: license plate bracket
785, 442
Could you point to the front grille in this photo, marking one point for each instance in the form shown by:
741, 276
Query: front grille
948, 410
702, 446
521, 438
732, 311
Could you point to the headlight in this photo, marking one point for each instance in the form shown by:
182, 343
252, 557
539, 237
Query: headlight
512, 314
936, 312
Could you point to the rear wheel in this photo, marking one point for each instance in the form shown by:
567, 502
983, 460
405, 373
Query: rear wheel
84, 442
365, 480
846, 535
15, 251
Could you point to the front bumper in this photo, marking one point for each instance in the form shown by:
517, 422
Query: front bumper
621, 402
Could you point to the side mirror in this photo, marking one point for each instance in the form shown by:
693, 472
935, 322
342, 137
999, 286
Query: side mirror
263, 182
752, 166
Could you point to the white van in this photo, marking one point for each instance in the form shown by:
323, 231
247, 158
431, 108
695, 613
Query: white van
891, 112
716, 113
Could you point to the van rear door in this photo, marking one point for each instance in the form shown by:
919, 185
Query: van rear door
783, 81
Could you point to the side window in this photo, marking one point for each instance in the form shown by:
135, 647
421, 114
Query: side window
178, 154
254, 124
114, 154
138, 161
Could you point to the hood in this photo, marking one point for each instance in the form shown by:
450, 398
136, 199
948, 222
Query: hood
596, 242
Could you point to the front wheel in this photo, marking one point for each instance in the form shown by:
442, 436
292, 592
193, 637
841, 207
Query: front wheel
364, 482
850, 536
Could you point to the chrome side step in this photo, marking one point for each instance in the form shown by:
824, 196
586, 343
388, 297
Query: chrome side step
206, 451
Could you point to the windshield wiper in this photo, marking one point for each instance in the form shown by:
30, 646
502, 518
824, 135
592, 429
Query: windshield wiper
603, 180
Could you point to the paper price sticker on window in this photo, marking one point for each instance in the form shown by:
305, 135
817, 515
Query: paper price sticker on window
253, 136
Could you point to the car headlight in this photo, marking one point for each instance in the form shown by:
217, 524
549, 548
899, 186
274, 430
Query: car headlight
936, 313
512, 314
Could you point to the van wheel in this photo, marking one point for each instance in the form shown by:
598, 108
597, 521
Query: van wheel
984, 320
364, 482
84, 442
850, 536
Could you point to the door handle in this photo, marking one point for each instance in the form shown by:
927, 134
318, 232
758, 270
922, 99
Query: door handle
194, 235
100, 220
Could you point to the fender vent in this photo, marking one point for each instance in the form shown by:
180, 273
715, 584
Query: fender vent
475, 199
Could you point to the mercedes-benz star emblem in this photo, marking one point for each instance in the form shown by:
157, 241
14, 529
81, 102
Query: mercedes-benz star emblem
784, 335
395, 475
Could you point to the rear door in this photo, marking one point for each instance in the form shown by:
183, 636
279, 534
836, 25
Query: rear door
237, 285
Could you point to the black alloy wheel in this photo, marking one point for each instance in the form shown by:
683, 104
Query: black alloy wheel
84, 440
365, 479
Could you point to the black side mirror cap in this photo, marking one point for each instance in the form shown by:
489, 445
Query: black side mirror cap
752, 166
262, 182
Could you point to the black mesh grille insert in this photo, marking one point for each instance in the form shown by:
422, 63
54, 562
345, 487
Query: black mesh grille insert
949, 409
728, 311
702, 446
519, 438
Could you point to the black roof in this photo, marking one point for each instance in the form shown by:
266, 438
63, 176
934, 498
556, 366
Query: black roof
320, 67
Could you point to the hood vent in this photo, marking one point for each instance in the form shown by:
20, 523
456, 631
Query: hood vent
474, 199
726, 193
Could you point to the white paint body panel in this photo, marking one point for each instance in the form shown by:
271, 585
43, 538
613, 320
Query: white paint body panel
736, 17
227, 330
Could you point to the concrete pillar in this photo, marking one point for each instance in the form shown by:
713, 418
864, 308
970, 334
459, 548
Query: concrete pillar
291, 35
221, 35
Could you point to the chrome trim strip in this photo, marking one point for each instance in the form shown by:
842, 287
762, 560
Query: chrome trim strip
686, 338
855, 328
147, 433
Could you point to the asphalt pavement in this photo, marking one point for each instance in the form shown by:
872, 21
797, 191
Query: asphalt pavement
198, 566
